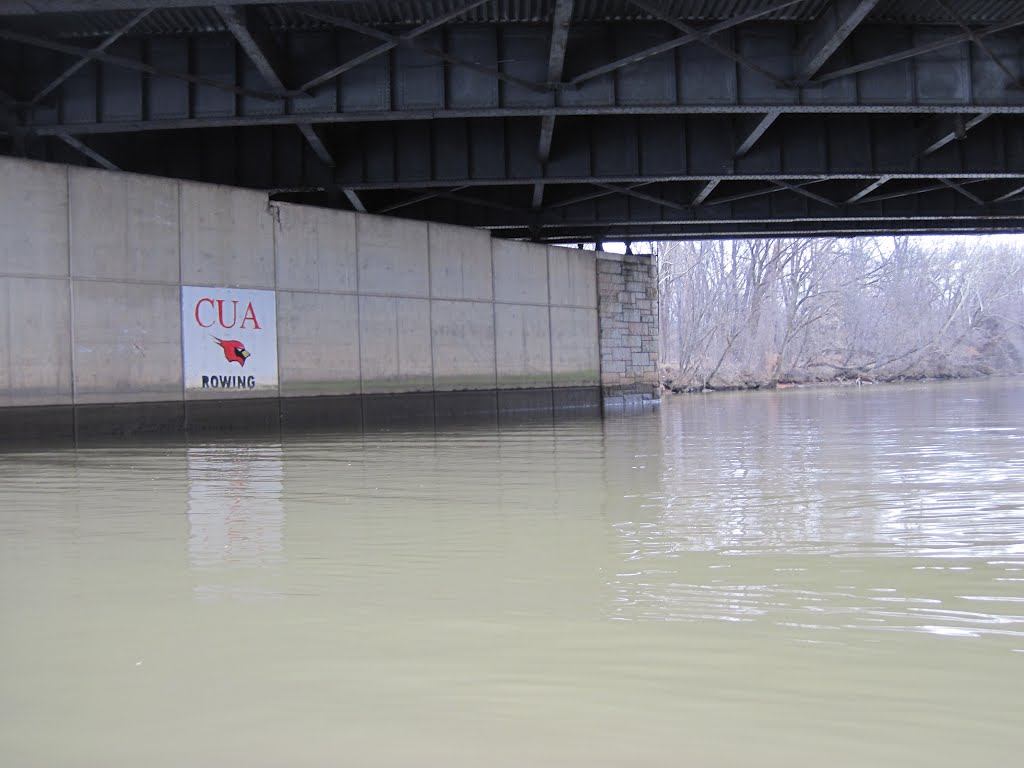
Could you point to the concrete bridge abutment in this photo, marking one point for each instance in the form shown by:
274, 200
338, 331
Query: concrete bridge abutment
132, 304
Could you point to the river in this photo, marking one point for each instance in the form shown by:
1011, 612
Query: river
794, 578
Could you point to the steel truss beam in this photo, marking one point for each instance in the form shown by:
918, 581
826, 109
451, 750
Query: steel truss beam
613, 151
618, 215
739, 230
30, 7
553, 130
623, 212
406, 83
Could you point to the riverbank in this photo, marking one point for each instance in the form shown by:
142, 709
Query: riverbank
671, 382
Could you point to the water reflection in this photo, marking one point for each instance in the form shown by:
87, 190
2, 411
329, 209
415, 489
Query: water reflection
440, 524
235, 516
793, 579
784, 508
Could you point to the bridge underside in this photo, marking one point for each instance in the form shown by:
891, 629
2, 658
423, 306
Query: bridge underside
554, 120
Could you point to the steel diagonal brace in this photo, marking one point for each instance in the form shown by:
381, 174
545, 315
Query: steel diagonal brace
629, 192
561, 18
706, 39
109, 41
976, 39
678, 42
380, 50
133, 64
919, 50
437, 53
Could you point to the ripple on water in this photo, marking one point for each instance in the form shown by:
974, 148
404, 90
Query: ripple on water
777, 579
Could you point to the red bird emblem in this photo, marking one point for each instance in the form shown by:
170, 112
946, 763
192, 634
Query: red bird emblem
234, 350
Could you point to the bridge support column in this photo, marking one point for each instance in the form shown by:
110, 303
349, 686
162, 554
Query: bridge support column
627, 289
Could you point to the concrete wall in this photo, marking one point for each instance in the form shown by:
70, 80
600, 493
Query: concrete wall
92, 263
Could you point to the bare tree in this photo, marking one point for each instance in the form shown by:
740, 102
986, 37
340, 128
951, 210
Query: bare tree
760, 312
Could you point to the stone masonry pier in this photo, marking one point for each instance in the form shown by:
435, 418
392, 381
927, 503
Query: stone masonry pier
628, 312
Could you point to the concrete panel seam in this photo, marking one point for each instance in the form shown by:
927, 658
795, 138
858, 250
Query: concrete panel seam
333, 292
359, 344
121, 281
67, 206
597, 322
358, 271
386, 295
572, 306
512, 303
382, 295
5, 361
547, 269
443, 298
71, 310
359, 320
181, 234
233, 284
494, 311
181, 281
551, 326
34, 276
430, 323
275, 222
494, 336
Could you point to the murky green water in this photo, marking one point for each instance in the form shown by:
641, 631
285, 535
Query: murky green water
801, 578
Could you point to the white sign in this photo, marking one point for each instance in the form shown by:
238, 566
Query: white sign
229, 341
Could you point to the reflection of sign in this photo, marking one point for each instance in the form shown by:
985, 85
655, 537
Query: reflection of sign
236, 519
229, 340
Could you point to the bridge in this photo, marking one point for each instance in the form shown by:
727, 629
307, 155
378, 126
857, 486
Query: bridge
547, 120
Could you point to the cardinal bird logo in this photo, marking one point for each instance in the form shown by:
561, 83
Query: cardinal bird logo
234, 350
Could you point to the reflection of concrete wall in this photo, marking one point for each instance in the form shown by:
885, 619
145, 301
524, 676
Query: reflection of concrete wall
91, 264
